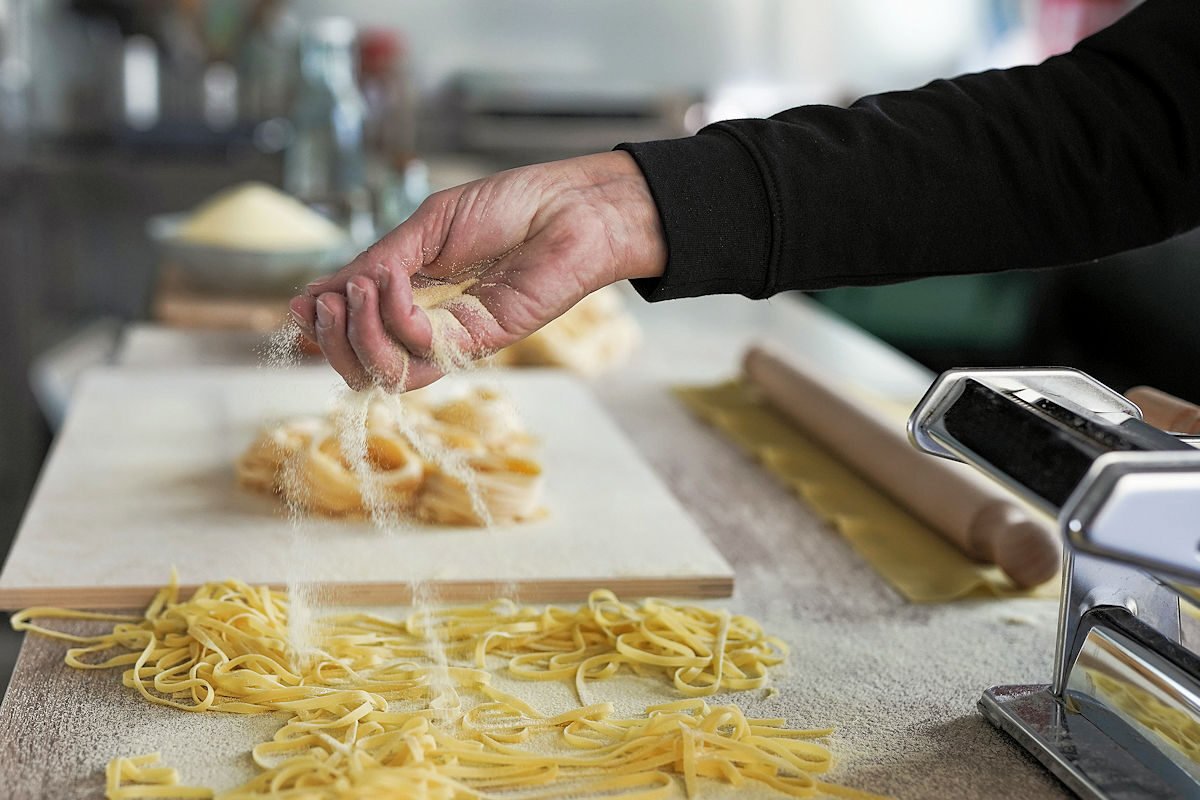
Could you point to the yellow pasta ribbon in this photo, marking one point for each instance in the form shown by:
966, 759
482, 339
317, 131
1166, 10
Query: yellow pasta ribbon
137, 777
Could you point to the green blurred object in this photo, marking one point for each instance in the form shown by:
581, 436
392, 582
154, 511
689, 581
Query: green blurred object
961, 312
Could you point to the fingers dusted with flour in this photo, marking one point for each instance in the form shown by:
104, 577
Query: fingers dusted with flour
390, 334
332, 336
401, 315
393, 337
458, 329
304, 314
378, 353
442, 328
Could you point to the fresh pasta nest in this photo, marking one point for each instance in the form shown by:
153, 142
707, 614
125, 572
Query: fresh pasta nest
594, 336
464, 461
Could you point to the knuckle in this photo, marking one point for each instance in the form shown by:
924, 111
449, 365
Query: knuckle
375, 254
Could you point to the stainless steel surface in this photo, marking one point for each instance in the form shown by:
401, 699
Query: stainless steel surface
523, 117
1069, 745
1068, 386
1143, 700
1125, 727
1090, 582
1155, 494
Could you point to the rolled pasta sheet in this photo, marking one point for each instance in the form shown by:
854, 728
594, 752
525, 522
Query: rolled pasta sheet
509, 487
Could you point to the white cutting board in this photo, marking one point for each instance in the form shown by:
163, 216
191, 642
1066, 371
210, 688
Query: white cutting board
141, 479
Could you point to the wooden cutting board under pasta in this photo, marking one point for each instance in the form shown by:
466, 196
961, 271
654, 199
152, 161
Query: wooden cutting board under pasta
142, 479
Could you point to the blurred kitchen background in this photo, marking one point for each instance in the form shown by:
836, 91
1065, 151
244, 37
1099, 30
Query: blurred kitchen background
113, 113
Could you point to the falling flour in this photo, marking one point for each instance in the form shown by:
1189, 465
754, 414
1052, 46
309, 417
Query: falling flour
282, 349
446, 305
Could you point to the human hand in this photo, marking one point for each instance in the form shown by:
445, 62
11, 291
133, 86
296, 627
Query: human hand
534, 241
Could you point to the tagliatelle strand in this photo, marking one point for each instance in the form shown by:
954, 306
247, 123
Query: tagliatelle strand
137, 777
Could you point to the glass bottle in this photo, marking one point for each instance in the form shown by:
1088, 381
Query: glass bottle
325, 162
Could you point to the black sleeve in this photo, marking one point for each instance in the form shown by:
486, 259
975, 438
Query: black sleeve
1090, 153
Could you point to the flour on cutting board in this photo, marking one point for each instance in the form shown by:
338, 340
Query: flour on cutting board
124, 496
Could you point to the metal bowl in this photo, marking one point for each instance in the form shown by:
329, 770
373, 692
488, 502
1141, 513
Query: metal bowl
235, 270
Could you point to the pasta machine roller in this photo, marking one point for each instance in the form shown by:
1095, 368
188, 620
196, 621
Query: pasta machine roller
1120, 717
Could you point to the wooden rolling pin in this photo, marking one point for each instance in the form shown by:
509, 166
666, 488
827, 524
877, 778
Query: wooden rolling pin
1166, 411
965, 508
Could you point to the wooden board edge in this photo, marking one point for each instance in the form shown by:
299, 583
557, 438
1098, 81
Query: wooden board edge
379, 594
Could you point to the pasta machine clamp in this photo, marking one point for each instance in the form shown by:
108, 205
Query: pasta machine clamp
1120, 717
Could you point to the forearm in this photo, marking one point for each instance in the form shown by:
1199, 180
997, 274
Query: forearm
1091, 153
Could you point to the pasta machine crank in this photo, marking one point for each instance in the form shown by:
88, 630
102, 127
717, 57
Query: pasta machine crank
1120, 717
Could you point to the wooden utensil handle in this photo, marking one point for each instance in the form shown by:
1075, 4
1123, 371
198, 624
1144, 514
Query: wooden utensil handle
979, 518
1166, 411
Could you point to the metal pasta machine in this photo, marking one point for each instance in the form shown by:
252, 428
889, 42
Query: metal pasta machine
1120, 717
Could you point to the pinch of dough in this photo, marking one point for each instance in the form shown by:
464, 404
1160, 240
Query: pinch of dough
438, 294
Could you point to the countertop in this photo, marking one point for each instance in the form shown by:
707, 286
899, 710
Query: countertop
898, 681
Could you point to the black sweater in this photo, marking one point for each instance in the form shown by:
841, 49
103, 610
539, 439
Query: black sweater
1090, 153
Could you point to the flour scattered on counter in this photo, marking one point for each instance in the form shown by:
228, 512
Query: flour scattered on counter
414, 704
